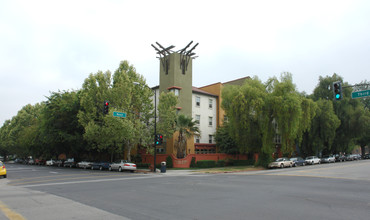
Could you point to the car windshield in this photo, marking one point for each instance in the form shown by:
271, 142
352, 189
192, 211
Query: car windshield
293, 159
279, 159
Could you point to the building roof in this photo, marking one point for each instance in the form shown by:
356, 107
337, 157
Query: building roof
236, 81
197, 90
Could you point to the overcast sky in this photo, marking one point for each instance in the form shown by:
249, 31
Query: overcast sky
46, 46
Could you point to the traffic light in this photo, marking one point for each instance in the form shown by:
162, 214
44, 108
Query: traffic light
337, 88
106, 107
158, 139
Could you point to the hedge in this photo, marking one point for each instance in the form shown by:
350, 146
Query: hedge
206, 164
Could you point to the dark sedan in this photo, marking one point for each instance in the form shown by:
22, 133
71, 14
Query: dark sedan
100, 166
298, 161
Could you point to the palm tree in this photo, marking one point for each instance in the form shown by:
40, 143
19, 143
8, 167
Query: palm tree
186, 128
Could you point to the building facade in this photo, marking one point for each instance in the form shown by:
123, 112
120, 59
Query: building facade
202, 104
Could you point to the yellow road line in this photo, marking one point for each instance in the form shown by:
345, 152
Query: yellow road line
10, 213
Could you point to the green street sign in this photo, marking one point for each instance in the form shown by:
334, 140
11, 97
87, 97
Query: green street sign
119, 114
360, 94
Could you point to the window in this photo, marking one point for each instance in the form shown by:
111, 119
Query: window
210, 121
277, 139
175, 91
210, 103
197, 140
197, 101
210, 139
197, 119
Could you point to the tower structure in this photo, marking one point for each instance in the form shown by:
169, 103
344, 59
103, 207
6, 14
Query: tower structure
176, 75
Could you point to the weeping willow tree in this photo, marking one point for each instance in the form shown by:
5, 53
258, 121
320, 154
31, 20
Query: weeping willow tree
253, 107
292, 111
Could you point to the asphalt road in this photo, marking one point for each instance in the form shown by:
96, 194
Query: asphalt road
327, 191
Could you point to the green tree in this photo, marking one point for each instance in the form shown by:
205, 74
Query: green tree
186, 128
166, 124
108, 133
322, 132
20, 135
224, 141
292, 111
257, 112
345, 109
245, 108
60, 129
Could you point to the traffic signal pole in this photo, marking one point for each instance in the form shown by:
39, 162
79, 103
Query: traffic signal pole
155, 129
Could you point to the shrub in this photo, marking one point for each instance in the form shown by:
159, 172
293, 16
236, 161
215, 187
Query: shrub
143, 165
220, 163
169, 162
264, 160
192, 163
206, 164
243, 162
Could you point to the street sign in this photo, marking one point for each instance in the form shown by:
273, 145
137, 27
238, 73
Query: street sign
360, 94
119, 114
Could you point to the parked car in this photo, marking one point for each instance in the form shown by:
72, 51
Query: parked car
31, 162
100, 166
84, 164
58, 163
298, 161
328, 159
2, 170
50, 162
70, 162
367, 156
40, 162
281, 163
18, 160
312, 160
122, 165
351, 157
340, 158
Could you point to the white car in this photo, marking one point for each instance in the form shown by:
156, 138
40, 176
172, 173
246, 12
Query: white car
84, 164
312, 160
122, 165
328, 159
50, 162
281, 163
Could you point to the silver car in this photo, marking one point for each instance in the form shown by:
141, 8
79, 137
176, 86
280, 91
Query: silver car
281, 163
328, 159
313, 160
84, 164
122, 165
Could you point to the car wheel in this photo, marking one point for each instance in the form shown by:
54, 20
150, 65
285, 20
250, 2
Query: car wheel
281, 165
110, 168
303, 164
100, 168
120, 169
92, 168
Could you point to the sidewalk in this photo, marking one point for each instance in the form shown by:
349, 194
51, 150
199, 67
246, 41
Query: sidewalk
169, 172
17, 203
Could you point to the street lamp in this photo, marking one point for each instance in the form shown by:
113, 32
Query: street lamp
155, 122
